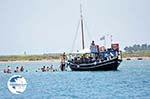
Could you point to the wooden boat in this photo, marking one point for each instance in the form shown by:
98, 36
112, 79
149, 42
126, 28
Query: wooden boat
97, 66
112, 62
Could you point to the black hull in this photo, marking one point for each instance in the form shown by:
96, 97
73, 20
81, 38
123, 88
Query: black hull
102, 66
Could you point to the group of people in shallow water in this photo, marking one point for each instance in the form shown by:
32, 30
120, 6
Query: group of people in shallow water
18, 69
42, 69
21, 69
47, 69
51, 69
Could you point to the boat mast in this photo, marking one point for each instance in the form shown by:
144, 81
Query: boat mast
82, 31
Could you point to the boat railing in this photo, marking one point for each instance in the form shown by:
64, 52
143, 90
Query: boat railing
99, 57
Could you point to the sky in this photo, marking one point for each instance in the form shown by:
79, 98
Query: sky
51, 26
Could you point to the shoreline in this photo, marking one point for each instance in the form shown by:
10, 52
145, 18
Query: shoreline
136, 58
28, 61
58, 60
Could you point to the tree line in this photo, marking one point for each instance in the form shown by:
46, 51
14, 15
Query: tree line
137, 48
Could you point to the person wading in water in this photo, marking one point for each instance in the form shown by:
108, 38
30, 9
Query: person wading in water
62, 66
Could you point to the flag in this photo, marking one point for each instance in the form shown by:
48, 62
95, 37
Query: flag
102, 38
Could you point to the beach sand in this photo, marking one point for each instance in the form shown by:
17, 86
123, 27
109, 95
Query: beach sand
53, 60
136, 58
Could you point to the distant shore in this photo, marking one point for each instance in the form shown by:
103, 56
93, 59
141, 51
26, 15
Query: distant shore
136, 55
27, 61
136, 58
30, 58
57, 57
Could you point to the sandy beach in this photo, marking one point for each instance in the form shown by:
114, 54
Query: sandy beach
37, 61
58, 60
136, 58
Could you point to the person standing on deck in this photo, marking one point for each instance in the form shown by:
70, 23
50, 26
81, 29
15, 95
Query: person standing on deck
93, 48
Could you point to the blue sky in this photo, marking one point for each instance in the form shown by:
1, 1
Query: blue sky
45, 26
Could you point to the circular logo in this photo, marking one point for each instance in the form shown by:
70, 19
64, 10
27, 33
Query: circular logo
17, 84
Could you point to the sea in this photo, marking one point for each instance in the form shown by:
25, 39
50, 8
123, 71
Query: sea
130, 81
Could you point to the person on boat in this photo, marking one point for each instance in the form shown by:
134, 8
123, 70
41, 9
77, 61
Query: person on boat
93, 43
75, 60
108, 55
112, 53
115, 52
17, 69
95, 51
84, 59
62, 66
22, 69
90, 59
8, 69
93, 48
101, 56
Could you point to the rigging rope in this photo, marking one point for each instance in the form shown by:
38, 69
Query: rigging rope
77, 30
89, 36
75, 36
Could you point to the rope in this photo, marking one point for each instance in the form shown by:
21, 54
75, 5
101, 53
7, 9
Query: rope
89, 36
75, 36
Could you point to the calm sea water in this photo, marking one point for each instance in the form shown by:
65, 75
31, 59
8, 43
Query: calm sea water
132, 80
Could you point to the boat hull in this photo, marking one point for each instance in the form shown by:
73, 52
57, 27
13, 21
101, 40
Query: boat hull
100, 66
